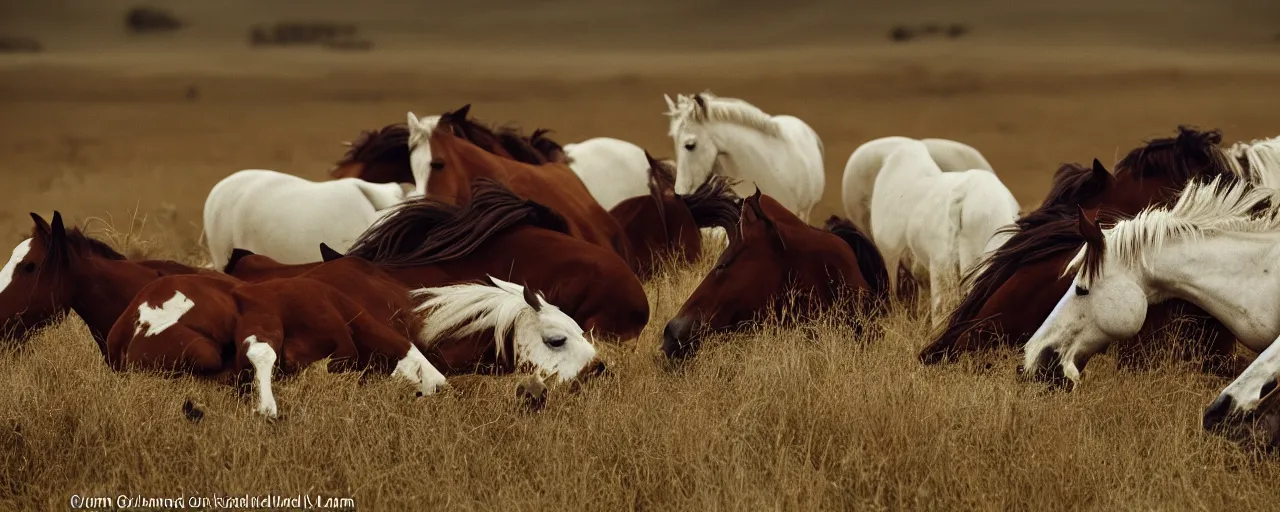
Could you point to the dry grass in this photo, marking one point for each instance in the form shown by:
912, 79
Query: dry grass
773, 419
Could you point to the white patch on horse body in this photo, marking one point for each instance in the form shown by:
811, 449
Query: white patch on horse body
466, 309
19, 252
157, 319
263, 359
415, 367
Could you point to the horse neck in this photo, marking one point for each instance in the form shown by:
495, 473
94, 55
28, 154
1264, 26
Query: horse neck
104, 288
752, 157
1210, 273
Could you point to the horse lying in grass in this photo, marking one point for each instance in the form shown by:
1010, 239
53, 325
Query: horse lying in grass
771, 254
427, 243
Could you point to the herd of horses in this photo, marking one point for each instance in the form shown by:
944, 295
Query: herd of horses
445, 246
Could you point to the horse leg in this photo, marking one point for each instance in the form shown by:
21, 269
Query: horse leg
892, 262
374, 337
939, 279
261, 339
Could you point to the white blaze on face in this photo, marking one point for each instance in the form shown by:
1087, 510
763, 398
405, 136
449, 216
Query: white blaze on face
157, 319
19, 252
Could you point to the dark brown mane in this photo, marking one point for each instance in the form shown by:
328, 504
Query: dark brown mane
869, 260
550, 149
713, 204
1190, 154
389, 144
1075, 184
520, 147
426, 232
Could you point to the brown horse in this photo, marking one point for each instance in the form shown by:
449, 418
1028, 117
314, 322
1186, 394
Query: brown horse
665, 224
1012, 294
59, 270
382, 156
455, 162
428, 243
772, 253
217, 327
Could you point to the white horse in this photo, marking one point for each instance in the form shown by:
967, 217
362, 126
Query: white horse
613, 170
858, 184
781, 155
1212, 248
542, 336
286, 217
938, 223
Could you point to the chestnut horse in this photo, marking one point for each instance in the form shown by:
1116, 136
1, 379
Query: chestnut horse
456, 161
59, 270
217, 327
772, 253
428, 243
1015, 291
666, 224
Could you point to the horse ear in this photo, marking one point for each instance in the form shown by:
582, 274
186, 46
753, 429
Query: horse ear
41, 227
328, 254
462, 112
532, 298
671, 105
701, 101
412, 120
754, 203
1090, 231
57, 230
1100, 171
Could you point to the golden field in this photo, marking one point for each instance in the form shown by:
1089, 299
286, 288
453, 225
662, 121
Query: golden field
100, 127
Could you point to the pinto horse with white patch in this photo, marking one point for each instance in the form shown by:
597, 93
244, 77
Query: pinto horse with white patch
665, 224
772, 254
939, 224
780, 155
860, 173
427, 243
195, 324
1213, 248
58, 270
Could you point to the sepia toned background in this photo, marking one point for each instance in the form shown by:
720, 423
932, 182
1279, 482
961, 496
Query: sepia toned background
134, 129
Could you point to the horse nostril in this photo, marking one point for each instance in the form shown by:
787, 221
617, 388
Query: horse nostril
555, 342
677, 342
1217, 412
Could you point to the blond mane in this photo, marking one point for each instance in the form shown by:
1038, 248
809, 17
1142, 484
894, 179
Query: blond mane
1203, 209
720, 110
1262, 157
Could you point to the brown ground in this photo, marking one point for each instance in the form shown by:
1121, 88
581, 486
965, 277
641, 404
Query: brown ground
99, 126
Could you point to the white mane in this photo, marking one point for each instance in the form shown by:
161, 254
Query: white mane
1263, 157
1203, 209
466, 309
720, 110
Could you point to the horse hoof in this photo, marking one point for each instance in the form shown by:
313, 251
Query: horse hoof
532, 395
193, 411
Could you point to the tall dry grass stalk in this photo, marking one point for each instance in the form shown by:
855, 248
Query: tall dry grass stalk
807, 418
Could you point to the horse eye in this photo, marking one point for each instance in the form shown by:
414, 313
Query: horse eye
555, 342
690, 146
437, 165
28, 267
1081, 291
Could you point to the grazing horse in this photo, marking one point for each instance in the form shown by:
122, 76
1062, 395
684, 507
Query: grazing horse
427, 243
940, 224
1214, 248
781, 155
1022, 281
858, 184
378, 156
346, 310
771, 253
285, 216
666, 223
59, 270
456, 161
